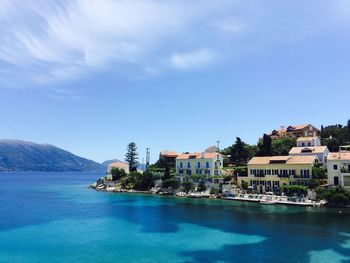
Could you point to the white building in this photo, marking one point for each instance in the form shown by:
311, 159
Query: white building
338, 166
308, 141
310, 146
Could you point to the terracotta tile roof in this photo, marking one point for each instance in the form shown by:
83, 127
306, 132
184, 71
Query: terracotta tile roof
167, 153
295, 128
197, 155
118, 165
339, 156
286, 159
313, 149
302, 159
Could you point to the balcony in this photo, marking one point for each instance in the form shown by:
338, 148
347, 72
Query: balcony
345, 170
301, 177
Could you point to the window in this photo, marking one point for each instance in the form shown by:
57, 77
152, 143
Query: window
188, 165
335, 167
198, 165
207, 172
207, 165
336, 180
181, 165
188, 172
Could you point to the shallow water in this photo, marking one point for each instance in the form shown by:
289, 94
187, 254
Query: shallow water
54, 217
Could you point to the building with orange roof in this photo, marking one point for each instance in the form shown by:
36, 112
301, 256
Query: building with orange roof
120, 165
167, 158
338, 168
199, 166
295, 131
268, 174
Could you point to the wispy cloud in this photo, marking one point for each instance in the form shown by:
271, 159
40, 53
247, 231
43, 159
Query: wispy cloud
50, 41
193, 60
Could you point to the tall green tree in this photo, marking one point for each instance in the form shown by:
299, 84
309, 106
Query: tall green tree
167, 173
238, 152
131, 157
283, 146
265, 146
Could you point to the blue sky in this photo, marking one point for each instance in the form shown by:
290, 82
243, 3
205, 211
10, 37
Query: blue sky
91, 76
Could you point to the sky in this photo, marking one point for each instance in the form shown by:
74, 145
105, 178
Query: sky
90, 76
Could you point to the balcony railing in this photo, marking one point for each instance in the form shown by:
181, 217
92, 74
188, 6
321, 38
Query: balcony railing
345, 170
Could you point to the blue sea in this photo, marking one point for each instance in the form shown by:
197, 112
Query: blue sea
54, 217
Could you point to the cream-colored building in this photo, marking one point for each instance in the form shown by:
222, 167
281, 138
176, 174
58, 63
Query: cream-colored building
267, 174
338, 168
320, 151
295, 131
194, 166
120, 165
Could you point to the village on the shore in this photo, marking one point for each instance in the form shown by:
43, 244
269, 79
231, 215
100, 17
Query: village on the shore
293, 165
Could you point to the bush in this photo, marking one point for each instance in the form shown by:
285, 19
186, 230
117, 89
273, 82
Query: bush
187, 186
117, 173
142, 181
244, 185
319, 173
241, 170
214, 191
228, 178
201, 186
294, 189
314, 183
335, 197
171, 183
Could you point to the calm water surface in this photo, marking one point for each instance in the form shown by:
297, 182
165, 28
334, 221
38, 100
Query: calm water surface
54, 217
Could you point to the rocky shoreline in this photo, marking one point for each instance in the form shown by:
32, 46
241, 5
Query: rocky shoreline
108, 186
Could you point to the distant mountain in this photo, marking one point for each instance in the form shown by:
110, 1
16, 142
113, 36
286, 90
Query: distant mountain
108, 162
18, 155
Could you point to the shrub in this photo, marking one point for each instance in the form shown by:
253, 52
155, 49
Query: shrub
244, 185
294, 189
117, 173
142, 181
171, 183
214, 191
201, 186
187, 186
335, 197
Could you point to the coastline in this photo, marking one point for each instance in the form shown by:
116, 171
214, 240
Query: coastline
101, 186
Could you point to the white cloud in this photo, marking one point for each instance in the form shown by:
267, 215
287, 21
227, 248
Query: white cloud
194, 59
50, 41
229, 25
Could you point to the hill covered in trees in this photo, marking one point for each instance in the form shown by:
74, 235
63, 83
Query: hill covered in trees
335, 135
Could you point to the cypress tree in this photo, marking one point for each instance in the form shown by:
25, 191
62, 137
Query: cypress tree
131, 157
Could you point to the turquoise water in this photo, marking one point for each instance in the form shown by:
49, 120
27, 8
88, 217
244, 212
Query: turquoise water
55, 218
